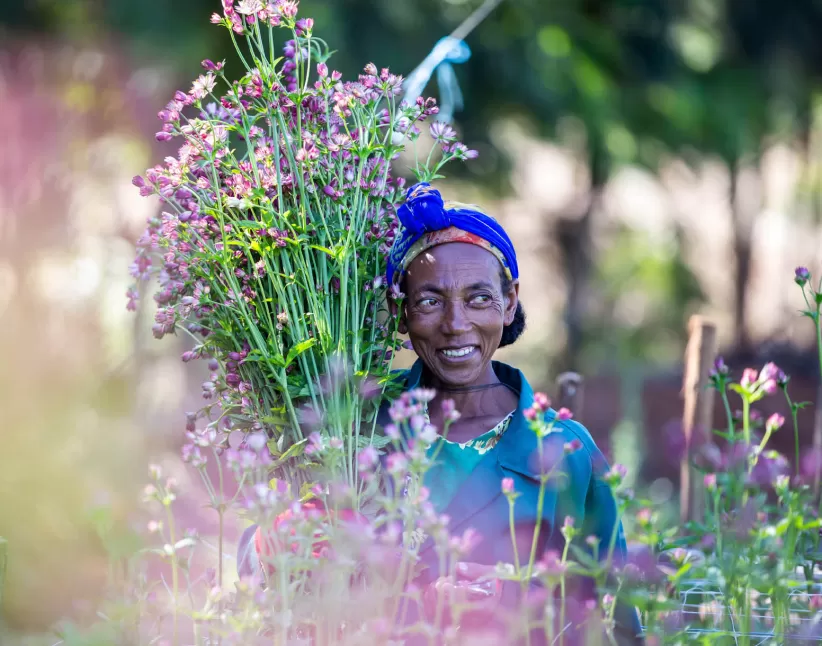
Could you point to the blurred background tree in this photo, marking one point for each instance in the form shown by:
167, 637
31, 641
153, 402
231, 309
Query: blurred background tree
650, 158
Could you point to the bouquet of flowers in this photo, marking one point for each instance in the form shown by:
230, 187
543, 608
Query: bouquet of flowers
278, 213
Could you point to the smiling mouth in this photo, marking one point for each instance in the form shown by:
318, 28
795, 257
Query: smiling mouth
458, 353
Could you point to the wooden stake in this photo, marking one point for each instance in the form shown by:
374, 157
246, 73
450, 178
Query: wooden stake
569, 392
697, 415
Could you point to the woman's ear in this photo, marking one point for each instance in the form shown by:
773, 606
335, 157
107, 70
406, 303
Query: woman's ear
398, 309
511, 299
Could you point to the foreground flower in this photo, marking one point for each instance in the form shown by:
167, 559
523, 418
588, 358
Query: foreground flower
507, 486
774, 422
564, 414
801, 276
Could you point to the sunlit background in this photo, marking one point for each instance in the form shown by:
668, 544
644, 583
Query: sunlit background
650, 161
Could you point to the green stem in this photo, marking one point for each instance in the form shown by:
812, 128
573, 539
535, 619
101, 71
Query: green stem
795, 421
175, 576
513, 534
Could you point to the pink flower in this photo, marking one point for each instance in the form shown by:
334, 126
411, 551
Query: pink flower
428, 434
288, 8
449, 411
424, 395
749, 377
203, 85
249, 7
466, 543
541, 402
564, 414
710, 481
770, 387
769, 371
616, 475
367, 458
304, 26
774, 422
507, 486
397, 463
530, 413
573, 446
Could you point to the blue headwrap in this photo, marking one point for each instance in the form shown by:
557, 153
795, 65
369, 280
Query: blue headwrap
428, 221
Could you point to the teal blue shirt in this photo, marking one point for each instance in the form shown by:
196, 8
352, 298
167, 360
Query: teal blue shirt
477, 501
453, 462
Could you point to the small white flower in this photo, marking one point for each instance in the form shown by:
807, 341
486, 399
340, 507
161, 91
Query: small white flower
203, 85
256, 441
249, 7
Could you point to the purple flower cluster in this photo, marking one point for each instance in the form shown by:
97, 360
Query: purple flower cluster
314, 170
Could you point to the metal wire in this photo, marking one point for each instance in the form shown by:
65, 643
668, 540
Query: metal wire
705, 611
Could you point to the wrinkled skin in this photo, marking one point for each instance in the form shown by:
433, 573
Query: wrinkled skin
455, 301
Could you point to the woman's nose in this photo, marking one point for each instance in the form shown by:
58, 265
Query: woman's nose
455, 320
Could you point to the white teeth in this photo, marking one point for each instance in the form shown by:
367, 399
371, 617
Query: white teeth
458, 353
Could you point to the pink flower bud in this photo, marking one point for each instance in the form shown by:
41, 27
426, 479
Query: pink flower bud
769, 371
774, 422
710, 481
564, 414
530, 413
322, 70
749, 377
367, 458
541, 402
507, 486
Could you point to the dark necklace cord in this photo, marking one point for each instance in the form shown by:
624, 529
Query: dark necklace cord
471, 389
467, 389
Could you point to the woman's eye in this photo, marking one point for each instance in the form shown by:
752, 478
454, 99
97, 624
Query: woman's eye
481, 299
427, 302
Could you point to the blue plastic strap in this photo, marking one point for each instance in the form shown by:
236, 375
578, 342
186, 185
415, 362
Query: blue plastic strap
447, 52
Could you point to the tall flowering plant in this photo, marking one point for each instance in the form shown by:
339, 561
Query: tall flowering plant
278, 212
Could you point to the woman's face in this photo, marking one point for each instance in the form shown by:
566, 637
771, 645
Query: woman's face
454, 310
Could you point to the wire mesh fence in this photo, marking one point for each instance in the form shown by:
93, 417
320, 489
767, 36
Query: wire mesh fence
793, 618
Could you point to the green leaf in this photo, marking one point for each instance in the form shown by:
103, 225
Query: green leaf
306, 492
323, 249
298, 349
298, 448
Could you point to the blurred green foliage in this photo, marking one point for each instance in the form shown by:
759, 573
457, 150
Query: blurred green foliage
644, 78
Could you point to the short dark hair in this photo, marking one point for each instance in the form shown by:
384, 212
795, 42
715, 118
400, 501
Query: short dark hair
512, 332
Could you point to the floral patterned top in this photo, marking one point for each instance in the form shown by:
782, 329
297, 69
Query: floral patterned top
454, 462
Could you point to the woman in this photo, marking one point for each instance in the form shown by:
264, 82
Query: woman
458, 272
